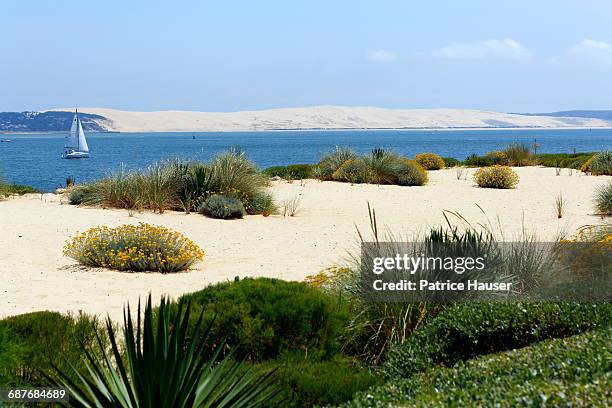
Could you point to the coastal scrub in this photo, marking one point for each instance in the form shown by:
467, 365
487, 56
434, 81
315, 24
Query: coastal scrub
137, 248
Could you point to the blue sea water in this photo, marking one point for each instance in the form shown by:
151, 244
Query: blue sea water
35, 159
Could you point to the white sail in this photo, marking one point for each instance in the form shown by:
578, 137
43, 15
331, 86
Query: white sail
82, 142
72, 137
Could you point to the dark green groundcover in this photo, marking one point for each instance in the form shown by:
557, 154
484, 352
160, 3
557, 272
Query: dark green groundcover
571, 372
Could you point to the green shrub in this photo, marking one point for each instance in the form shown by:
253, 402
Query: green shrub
602, 164
155, 362
603, 199
429, 161
496, 177
564, 160
586, 166
307, 383
14, 189
179, 185
265, 318
354, 171
473, 329
383, 166
32, 342
290, 172
451, 162
570, 372
331, 162
218, 206
474, 160
78, 194
261, 203
411, 173
142, 247
517, 154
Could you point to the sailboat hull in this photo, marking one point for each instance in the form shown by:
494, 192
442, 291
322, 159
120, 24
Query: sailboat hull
75, 155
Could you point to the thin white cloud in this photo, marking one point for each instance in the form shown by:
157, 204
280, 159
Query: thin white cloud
592, 47
381, 56
489, 49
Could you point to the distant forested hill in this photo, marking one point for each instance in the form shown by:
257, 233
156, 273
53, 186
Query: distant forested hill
596, 114
52, 121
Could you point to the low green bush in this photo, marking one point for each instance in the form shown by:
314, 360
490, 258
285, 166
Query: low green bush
474, 160
601, 165
218, 206
517, 154
33, 342
451, 162
261, 203
411, 173
15, 189
354, 171
307, 383
429, 161
496, 176
473, 329
603, 199
265, 318
290, 172
565, 160
383, 166
570, 372
331, 162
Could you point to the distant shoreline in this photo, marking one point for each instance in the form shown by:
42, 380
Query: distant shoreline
445, 129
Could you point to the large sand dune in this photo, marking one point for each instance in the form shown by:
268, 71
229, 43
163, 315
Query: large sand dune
34, 274
326, 117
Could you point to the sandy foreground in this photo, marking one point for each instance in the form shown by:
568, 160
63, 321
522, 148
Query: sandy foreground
34, 275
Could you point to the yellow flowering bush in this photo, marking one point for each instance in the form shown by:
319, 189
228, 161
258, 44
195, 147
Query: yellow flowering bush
430, 161
142, 247
496, 177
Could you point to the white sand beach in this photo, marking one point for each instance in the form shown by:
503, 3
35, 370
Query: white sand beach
326, 117
36, 276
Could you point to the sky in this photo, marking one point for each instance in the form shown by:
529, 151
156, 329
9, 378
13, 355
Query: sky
511, 56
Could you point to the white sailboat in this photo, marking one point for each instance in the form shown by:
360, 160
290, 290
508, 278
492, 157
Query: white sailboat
76, 144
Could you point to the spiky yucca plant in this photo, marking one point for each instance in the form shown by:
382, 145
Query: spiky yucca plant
161, 368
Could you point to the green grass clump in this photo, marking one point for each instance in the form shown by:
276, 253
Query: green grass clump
411, 173
31, 343
451, 162
290, 172
603, 199
142, 247
430, 161
331, 162
570, 372
265, 318
7, 190
380, 166
496, 177
354, 171
601, 165
218, 206
518, 154
181, 186
564, 160
474, 329
307, 383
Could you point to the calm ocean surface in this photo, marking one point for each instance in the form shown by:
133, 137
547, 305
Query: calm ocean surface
34, 159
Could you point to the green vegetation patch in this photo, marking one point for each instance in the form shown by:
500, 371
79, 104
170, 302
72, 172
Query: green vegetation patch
569, 372
290, 172
474, 329
33, 342
265, 318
